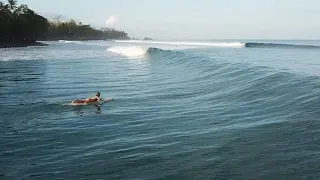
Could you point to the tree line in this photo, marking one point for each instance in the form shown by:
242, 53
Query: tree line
21, 24
72, 30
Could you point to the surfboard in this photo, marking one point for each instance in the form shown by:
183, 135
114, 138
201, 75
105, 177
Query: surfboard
104, 100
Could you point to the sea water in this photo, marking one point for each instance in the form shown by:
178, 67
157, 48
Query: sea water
181, 110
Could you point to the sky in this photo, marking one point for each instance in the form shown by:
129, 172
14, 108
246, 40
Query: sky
193, 19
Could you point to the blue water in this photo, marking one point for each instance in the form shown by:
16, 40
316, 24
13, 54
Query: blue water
181, 110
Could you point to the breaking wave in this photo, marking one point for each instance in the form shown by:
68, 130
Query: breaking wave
129, 51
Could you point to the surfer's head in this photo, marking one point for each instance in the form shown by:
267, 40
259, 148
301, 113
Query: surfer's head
98, 94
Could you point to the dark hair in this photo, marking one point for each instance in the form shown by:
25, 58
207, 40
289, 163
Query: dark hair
98, 93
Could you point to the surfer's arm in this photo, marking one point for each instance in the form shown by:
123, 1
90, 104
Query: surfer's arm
95, 99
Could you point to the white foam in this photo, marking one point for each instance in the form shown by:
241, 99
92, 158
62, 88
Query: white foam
129, 51
65, 41
186, 43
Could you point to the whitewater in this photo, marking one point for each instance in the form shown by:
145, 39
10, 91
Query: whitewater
213, 109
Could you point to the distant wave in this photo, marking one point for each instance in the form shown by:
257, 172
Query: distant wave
222, 44
182, 43
275, 45
75, 42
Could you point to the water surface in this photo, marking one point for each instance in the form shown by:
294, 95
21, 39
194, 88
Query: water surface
182, 110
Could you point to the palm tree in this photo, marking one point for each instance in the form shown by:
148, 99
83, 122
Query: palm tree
3, 6
12, 4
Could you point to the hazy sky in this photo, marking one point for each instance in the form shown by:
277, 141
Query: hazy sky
194, 19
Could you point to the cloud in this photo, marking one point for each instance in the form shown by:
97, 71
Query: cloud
111, 21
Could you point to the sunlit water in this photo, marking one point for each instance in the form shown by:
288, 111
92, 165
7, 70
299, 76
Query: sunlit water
181, 110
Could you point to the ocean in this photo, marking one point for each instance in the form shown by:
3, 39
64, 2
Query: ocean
213, 109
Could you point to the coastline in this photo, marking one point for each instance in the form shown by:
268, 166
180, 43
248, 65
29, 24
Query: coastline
20, 44
81, 38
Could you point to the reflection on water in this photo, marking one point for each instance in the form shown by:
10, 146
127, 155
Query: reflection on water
87, 110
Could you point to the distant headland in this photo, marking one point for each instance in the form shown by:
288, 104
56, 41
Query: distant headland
21, 27
147, 39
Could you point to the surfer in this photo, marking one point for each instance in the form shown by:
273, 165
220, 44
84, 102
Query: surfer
88, 100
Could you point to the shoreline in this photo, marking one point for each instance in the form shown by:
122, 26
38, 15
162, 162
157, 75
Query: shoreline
20, 44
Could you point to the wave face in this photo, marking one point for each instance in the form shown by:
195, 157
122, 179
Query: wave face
178, 112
